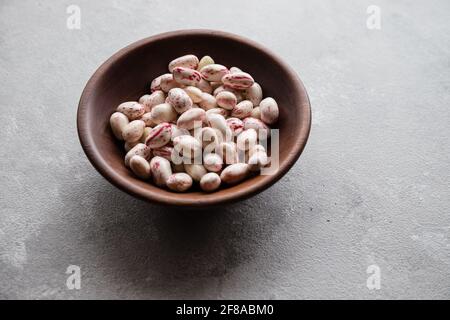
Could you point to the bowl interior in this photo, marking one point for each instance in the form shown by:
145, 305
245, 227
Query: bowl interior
127, 76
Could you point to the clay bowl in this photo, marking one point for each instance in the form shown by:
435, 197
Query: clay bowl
127, 76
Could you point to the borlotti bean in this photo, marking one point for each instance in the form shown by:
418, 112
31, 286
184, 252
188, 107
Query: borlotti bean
179, 182
160, 170
226, 100
159, 136
186, 76
269, 110
238, 80
133, 131
132, 109
242, 110
188, 61
201, 123
138, 150
151, 100
210, 182
118, 122
179, 100
140, 167
214, 72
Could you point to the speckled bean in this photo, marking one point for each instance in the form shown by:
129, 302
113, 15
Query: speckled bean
167, 82
186, 76
208, 101
228, 152
261, 128
226, 100
204, 86
178, 131
221, 111
210, 182
194, 93
208, 135
164, 152
132, 109
256, 113
191, 119
234, 173
269, 110
133, 130
151, 100
118, 122
161, 170
214, 72
179, 182
238, 80
212, 162
147, 118
247, 139
242, 110
188, 61
179, 100
159, 135
257, 158
236, 125
140, 150
140, 167
145, 134
187, 146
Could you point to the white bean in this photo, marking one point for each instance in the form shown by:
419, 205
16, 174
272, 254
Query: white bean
214, 72
159, 135
227, 151
118, 122
269, 110
140, 167
132, 109
163, 113
179, 182
188, 61
196, 171
234, 173
218, 122
161, 170
247, 139
133, 130
210, 182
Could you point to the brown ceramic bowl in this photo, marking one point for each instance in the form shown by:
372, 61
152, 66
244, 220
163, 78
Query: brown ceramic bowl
127, 76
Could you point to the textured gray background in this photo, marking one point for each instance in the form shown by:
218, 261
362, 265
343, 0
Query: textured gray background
372, 186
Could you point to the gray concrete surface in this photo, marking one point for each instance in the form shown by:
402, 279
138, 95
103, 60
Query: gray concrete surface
372, 187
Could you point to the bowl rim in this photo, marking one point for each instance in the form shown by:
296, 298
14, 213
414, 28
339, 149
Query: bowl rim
92, 153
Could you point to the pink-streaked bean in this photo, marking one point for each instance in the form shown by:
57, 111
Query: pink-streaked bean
214, 72
188, 61
118, 121
235, 173
191, 119
226, 100
164, 152
132, 109
196, 171
236, 125
179, 100
159, 135
140, 167
179, 182
269, 110
212, 162
138, 150
186, 76
151, 100
254, 94
206, 60
194, 93
210, 182
238, 80
204, 86
163, 113
133, 130
242, 110
167, 82
161, 170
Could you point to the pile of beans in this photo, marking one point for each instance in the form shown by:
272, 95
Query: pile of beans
201, 123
